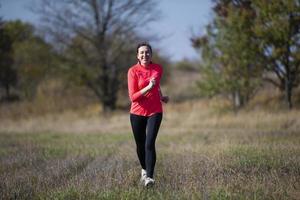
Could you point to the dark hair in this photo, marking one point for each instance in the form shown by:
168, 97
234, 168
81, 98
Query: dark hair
143, 44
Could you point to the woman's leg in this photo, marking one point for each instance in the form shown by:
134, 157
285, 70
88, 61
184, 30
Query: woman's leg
152, 130
138, 125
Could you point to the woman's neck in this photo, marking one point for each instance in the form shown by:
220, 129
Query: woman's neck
146, 65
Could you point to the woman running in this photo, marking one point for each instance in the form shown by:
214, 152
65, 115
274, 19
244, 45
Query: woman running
146, 108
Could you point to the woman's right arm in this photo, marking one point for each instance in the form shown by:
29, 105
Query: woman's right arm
134, 92
148, 87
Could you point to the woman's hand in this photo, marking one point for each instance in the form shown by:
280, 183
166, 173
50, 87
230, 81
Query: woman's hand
151, 83
148, 87
164, 99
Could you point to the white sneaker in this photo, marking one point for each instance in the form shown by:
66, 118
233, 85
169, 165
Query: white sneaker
143, 175
149, 182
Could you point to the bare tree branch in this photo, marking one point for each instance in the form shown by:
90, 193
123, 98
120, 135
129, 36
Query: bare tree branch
96, 34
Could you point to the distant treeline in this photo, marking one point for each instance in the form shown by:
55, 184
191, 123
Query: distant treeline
249, 42
92, 43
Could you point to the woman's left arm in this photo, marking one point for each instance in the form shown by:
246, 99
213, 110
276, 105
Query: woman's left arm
163, 98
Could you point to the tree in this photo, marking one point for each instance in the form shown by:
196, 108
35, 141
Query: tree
95, 37
32, 57
231, 66
8, 75
278, 28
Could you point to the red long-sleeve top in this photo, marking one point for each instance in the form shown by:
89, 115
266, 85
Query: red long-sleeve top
138, 78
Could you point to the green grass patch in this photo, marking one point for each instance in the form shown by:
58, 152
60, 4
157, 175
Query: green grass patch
247, 157
220, 194
255, 194
133, 193
263, 158
99, 166
58, 145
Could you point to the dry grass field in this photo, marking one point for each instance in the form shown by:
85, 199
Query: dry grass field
202, 153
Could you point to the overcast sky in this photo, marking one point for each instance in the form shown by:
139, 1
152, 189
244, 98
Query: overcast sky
180, 19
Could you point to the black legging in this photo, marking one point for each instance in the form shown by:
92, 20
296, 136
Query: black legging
145, 143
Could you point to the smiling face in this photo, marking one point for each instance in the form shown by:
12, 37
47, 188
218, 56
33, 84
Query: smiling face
144, 55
